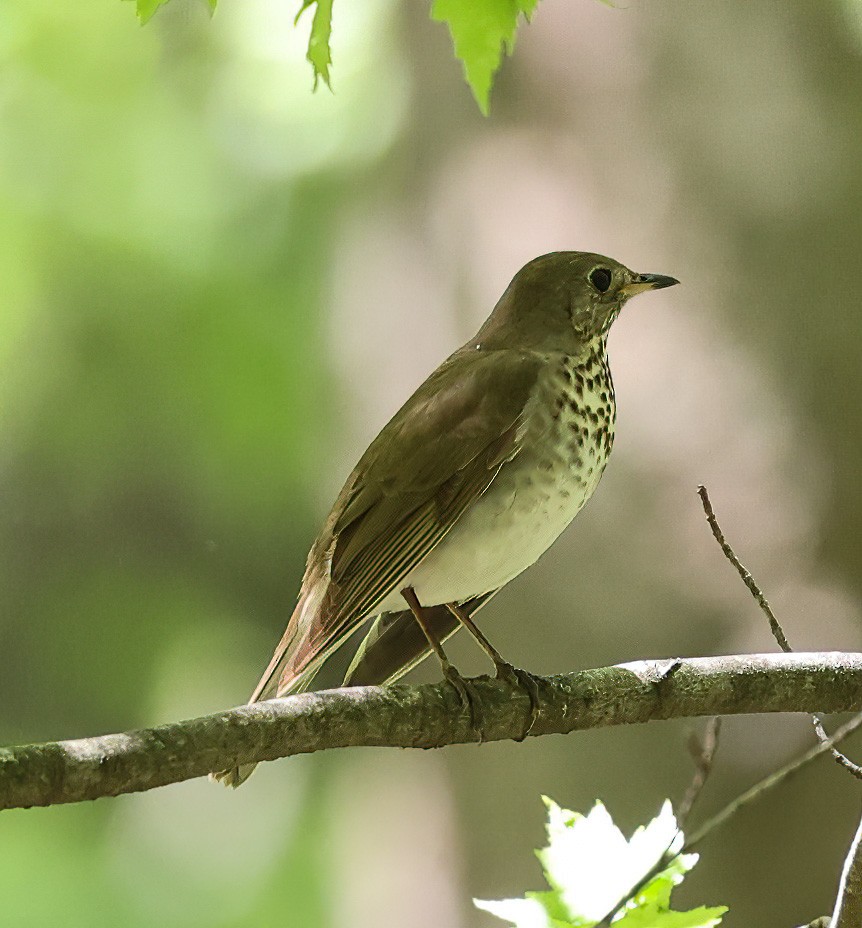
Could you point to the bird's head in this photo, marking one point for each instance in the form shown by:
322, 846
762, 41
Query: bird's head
563, 301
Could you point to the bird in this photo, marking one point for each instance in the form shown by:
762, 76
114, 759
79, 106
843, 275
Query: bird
468, 484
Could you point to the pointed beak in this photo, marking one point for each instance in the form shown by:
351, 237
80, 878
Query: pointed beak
644, 282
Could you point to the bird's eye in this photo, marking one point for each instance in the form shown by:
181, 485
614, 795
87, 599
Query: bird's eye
600, 278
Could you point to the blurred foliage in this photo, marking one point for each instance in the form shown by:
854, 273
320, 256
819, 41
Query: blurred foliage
165, 228
481, 31
216, 287
593, 870
146, 8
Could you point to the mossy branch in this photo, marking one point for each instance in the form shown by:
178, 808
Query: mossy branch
425, 717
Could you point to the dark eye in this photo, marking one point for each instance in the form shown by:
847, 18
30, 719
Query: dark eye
600, 278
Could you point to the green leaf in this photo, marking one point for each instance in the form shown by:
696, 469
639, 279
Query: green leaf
146, 8
590, 862
319, 53
594, 871
651, 917
481, 30
651, 907
553, 905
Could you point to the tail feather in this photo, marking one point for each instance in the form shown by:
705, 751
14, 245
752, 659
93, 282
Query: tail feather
395, 643
236, 776
284, 676
285, 667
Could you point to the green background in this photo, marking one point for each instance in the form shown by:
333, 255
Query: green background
215, 287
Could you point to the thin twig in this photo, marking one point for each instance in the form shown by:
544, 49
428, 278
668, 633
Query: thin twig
743, 571
703, 754
641, 883
750, 795
839, 757
768, 783
777, 631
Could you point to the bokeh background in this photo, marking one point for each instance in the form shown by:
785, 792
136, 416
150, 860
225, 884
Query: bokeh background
217, 286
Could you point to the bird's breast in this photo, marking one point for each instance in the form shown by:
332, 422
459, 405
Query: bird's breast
569, 429
570, 433
573, 426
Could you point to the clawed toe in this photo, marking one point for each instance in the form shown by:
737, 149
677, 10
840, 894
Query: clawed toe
527, 682
469, 698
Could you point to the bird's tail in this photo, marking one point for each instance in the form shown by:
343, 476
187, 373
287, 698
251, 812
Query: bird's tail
291, 670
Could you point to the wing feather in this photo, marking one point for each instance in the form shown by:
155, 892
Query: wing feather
391, 556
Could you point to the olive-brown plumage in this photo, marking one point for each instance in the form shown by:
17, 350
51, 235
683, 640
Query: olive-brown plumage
471, 480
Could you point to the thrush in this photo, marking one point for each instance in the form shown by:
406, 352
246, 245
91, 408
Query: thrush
468, 484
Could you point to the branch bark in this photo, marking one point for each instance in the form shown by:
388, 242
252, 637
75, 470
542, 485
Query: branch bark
425, 717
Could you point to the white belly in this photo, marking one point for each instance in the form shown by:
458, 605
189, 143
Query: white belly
505, 532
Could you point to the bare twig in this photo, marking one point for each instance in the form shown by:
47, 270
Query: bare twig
837, 755
743, 571
749, 796
774, 624
767, 783
424, 717
703, 754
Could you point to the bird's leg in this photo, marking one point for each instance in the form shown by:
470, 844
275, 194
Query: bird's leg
505, 670
462, 687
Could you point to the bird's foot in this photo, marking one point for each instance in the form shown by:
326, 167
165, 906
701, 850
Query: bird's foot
469, 698
527, 682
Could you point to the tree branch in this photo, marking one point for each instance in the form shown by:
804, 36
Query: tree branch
425, 717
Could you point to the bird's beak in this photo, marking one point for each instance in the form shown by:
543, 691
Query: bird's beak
644, 282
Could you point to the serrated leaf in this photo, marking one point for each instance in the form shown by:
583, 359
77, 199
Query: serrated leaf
481, 31
657, 891
592, 864
651, 907
593, 871
553, 905
319, 53
651, 917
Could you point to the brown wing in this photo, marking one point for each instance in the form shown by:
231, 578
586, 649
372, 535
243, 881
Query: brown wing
438, 454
